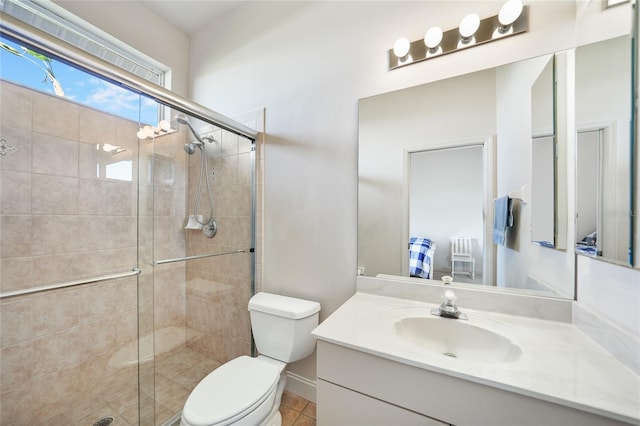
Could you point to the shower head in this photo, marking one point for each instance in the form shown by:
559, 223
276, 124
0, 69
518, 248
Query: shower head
181, 119
190, 148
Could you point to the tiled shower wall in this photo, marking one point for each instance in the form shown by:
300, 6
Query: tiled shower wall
219, 288
62, 219
167, 181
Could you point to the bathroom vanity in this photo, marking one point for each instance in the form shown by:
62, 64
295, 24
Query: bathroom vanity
383, 359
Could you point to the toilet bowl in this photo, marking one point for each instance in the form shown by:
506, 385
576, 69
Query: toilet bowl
242, 391
246, 390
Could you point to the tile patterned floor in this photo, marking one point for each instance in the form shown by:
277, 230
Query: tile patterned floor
297, 411
179, 371
175, 374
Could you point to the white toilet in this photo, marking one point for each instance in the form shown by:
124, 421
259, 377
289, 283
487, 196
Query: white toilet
247, 391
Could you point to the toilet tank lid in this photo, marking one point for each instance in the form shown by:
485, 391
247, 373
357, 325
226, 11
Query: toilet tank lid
284, 306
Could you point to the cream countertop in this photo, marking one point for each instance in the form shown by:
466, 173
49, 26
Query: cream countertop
558, 364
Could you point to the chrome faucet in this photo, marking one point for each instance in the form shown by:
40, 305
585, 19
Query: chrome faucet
448, 307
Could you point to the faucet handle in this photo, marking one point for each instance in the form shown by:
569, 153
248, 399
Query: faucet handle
447, 280
449, 298
448, 308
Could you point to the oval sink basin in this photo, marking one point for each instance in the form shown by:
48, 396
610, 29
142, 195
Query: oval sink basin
457, 339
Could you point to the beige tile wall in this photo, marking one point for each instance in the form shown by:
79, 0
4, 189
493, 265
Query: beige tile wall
219, 288
169, 206
56, 352
61, 352
61, 219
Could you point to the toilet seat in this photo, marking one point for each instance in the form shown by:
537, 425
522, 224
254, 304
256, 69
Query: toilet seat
231, 392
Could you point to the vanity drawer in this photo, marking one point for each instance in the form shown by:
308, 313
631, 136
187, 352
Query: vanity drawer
341, 406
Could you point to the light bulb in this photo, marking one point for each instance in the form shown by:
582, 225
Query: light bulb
469, 25
509, 12
433, 37
148, 131
401, 47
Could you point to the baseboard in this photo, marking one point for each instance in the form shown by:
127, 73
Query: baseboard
301, 386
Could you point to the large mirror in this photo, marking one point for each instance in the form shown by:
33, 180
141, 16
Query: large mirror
603, 154
418, 148
474, 139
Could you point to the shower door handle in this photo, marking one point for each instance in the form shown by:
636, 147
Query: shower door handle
201, 256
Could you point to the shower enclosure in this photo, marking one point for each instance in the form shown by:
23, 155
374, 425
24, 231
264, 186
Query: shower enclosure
110, 310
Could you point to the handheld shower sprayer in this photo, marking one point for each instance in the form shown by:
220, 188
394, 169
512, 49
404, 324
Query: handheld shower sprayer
181, 119
190, 148
209, 226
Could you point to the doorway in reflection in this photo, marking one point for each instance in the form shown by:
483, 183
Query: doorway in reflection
588, 192
446, 198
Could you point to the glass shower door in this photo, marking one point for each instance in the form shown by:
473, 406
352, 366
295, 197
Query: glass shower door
202, 273
68, 215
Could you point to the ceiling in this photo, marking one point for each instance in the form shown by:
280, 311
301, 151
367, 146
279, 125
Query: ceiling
190, 15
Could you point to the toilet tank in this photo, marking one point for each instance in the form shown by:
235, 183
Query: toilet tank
282, 326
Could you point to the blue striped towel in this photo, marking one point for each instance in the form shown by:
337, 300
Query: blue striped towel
420, 257
502, 219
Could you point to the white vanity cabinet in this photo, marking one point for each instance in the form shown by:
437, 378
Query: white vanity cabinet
357, 388
342, 406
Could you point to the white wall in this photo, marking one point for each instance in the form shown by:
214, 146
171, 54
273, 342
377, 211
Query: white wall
611, 291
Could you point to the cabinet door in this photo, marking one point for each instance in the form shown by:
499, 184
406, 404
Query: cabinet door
340, 406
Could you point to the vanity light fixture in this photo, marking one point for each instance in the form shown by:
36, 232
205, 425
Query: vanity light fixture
432, 39
111, 149
468, 28
513, 19
401, 49
163, 128
509, 12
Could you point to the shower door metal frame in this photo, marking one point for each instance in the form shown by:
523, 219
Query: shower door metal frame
55, 48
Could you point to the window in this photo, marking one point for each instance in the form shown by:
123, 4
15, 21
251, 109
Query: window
25, 66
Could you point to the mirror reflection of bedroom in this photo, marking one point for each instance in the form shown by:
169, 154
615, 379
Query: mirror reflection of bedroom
603, 174
446, 231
